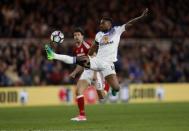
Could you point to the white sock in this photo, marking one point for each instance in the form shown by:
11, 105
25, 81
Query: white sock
65, 58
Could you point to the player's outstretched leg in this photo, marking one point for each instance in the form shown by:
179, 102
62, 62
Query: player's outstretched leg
82, 61
52, 55
113, 82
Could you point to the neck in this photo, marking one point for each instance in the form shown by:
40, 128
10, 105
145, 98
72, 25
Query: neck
106, 31
79, 43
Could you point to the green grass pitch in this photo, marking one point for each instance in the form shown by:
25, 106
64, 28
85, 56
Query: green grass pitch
102, 117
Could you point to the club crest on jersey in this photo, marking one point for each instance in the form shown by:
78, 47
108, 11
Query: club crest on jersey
105, 39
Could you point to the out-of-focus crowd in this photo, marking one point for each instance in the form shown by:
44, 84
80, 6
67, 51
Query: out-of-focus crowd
154, 63
25, 63
34, 18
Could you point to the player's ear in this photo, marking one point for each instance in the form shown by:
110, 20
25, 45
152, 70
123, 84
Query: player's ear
110, 24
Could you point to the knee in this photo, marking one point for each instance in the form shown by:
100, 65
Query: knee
83, 61
81, 85
78, 91
116, 88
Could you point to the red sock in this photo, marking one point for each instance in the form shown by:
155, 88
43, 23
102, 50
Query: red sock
106, 87
81, 106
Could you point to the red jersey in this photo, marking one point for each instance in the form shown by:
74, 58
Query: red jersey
82, 49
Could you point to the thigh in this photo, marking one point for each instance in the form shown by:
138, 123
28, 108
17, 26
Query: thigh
96, 64
108, 69
87, 75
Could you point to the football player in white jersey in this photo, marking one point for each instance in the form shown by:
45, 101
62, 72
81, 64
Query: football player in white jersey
106, 44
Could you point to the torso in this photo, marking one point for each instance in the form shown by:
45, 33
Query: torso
82, 49
108, 43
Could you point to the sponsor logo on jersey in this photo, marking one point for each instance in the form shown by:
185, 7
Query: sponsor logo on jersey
106, 40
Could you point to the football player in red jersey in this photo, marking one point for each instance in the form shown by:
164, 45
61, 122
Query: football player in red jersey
87, 77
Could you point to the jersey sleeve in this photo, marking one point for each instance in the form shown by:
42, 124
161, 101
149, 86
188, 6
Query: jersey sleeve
87, 45
97, 38
120, 29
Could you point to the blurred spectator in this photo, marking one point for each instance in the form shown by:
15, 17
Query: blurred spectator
25, 63
34, 18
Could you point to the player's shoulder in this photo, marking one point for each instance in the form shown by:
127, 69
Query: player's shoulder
99, 34
86, 44
118, 26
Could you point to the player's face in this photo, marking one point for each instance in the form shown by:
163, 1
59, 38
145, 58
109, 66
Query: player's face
104, 25
78, 37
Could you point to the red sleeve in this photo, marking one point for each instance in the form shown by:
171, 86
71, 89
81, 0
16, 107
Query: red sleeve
89, 43
87, 46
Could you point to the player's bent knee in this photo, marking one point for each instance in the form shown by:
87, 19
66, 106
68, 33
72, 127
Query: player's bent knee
83, 61
79, 91
116, 88
81, 86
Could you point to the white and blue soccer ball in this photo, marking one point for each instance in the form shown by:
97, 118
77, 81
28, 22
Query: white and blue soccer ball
57, 37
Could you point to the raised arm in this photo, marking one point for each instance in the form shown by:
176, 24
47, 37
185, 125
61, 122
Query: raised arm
77, 70
133, 21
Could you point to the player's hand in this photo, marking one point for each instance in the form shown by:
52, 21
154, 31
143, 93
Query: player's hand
72, 75
145, 13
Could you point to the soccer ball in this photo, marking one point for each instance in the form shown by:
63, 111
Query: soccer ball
57, 37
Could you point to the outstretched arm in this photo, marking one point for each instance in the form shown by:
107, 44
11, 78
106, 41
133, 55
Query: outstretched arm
133, 21
77, 70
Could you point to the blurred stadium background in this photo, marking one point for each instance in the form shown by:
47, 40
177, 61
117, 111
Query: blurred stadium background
153, 59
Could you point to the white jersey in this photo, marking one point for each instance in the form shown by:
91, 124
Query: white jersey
108, 43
